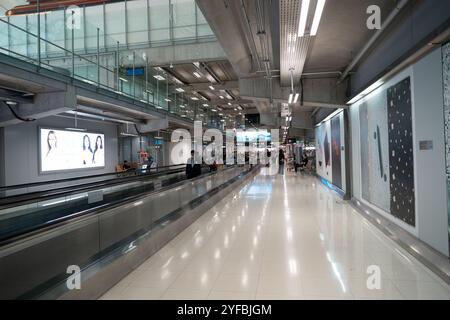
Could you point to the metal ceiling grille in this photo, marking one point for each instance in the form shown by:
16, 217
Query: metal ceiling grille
293, 50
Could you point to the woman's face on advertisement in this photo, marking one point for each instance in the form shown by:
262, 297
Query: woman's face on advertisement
52, 140
87, 142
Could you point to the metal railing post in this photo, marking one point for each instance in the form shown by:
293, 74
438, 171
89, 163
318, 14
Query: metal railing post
134, 82
98, 57
157, 93
117, 66
146, 77
38, 6
73, 44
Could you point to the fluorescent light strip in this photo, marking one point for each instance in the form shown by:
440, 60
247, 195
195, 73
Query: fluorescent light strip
196, 74
366, 92
296, 97
303, 18
291, 96
123, 79
179, 89
211, 87
317, 16
126, 134
158, 77
76, 129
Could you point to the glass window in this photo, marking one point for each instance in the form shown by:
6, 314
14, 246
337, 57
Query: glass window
55, 28
115, 23
184, 19
18, 38
93, 20
159, 20
137, 21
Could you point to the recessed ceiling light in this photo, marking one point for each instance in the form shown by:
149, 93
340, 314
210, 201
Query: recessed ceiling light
194, 98
317, 17
303, 18
179, 89
221, 97
205, 105
212, 88
167, 99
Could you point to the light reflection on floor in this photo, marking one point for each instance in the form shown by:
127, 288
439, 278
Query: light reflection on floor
280, 237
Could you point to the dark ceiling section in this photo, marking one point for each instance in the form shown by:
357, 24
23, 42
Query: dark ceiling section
342, 33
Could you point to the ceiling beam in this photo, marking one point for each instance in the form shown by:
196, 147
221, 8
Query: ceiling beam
204, 86
10, 95
224, 102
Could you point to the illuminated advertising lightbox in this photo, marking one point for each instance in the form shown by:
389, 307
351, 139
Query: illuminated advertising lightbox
70, 150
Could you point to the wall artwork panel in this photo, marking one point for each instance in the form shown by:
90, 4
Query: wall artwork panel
375, 151
336, 151
323, 151
401, 158
320, 163
326, 144
446, 83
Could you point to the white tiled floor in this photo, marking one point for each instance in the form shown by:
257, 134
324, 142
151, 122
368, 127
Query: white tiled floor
280, 238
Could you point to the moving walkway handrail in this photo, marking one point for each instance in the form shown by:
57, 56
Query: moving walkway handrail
22, 199
48, 225
35, 184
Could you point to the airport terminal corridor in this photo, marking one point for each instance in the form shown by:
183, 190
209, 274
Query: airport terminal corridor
280, 237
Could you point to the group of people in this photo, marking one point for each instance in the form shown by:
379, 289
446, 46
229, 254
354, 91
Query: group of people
302, 164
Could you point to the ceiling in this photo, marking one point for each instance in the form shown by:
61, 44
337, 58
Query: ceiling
214, 81
342, 32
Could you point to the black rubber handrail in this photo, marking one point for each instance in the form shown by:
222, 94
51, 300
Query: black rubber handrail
37, 196
95, 210
35, 184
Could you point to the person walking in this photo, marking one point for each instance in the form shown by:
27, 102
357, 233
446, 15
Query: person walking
281, 160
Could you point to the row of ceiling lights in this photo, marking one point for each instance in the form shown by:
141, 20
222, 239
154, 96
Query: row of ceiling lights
304, 10
304, 17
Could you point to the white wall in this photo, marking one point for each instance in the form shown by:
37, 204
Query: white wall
355, 152
431, 191
21, 143
327, 172
429, 166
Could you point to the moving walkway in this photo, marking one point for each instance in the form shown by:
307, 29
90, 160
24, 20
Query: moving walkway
105, 225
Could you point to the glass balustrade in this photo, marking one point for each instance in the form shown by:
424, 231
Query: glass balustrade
73, 42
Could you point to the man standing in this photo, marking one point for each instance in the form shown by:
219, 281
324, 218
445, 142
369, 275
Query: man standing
193, 169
